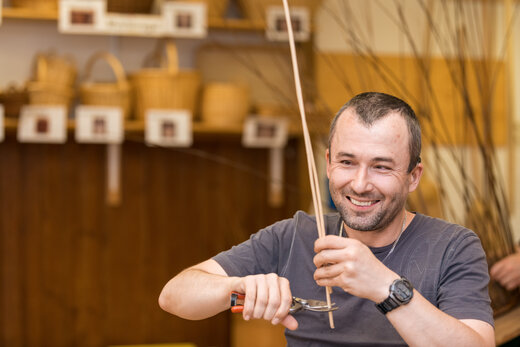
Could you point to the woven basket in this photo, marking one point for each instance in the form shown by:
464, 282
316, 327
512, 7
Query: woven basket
224, 103
254, 10
45, 93
13, 99
166, 87
51, 68
129, 6
36, 4
106, 93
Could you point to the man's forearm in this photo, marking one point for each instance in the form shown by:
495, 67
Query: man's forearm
197, 294
421, 324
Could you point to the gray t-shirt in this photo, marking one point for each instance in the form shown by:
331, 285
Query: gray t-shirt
445, 263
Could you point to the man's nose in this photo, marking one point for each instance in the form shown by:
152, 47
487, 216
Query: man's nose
361, 182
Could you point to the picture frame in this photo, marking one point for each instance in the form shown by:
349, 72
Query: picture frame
82, 17
276, 26
96, 124
42, 124
144, 25
185, 19
262, 132
169, 128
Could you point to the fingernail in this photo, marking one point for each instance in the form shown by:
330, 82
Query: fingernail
246, 317
275, 321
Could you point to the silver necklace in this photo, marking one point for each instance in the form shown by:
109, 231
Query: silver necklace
395, 242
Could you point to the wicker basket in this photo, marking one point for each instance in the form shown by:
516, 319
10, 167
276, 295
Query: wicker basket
106, 93
13, 99
224, 103
129, 6
45, 93
254, 10
36, 4
51, 68
166, 87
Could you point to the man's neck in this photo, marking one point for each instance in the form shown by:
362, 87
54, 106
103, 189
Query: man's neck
382, 237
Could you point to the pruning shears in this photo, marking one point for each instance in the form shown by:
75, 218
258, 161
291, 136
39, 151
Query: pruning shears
298, 304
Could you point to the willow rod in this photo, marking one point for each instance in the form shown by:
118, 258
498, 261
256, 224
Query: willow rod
313, 176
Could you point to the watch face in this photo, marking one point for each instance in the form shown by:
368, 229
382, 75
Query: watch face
401, 291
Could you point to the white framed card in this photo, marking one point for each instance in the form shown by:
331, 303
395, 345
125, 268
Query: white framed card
169, 128
95, 124
135, 25
45, 124
185, 19
276, 25
82, 17
2, 123
265, 132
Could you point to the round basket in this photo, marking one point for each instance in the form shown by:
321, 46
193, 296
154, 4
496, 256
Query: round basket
166, 87
46, 93
224, 103
13, 99
115, 94
255, 9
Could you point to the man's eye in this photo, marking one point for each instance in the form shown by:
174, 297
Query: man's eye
382, 167
346, 162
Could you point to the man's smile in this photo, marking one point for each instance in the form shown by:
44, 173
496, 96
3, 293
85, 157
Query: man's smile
362, 203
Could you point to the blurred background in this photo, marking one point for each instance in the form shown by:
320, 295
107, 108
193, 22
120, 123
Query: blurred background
90, 233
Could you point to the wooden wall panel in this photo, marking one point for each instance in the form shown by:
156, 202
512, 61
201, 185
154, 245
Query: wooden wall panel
76, 272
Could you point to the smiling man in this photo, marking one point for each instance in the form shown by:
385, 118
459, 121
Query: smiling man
398, 278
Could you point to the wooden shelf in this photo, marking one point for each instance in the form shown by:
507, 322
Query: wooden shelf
134, 127
213, 23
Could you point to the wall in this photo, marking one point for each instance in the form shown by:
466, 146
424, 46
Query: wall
76, 272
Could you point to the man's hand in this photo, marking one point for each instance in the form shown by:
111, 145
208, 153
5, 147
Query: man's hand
349, 264
507, 271
267, 297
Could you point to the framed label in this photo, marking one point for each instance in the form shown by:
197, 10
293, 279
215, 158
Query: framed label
169, 128
99, 124
45, 124
276, 25
185, 19
265, 132
2, 127
135, 25
82, 17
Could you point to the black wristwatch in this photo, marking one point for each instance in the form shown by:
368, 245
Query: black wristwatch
401, 292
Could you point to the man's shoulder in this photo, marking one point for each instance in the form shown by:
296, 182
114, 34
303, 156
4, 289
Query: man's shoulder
432, 227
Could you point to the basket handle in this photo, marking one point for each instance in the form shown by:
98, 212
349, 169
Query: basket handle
172, 56
114, 63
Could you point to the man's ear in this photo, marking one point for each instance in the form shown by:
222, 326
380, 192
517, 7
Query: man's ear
415, 177
327, 159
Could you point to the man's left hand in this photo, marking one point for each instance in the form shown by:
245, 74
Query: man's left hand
351, 265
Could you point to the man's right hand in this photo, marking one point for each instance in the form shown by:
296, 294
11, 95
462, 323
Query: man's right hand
267, 297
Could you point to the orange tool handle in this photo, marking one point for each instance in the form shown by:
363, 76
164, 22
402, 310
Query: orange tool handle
237, 307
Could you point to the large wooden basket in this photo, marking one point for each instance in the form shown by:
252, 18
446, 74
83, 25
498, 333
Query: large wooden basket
46, 93
165, 87
115, 94
224, 103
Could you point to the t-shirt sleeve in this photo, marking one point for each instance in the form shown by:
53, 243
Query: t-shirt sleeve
463, 286
261, 253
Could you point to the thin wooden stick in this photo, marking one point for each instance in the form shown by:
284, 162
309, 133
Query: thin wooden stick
313, 176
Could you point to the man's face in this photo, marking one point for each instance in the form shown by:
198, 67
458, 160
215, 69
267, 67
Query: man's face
367, 170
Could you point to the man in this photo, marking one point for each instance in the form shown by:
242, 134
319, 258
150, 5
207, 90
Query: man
373, 254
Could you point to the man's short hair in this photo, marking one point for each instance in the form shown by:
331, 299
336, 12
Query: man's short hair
372, 106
